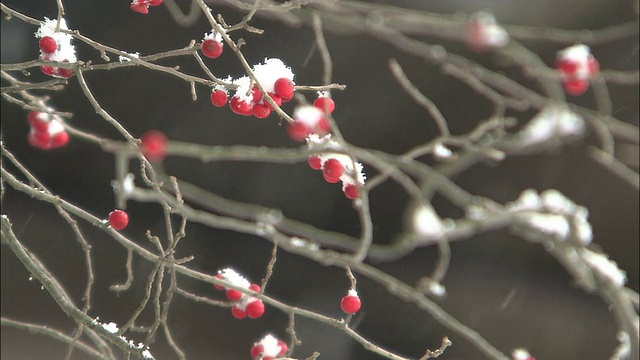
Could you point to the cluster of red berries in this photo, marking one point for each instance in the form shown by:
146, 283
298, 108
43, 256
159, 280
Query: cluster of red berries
245, 305
256, 103
142, 6
118, 219
269, 347
308, 120
47, 131
336, 167
484, 33
55, 46
48, 47
577, 66
351, 303
153, 145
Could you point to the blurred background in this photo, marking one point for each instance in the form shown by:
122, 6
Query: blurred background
509, 290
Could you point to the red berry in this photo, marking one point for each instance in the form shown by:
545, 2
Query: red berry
594, 66
283, 347
37, 123
351, 191
257, 94
240, 107
237, 313
48, 45
154, 145
287, 99
219, 98
118, 219
65, 73
39, 140
32, 117
59, 139
255, 309
325, 104
350, 304
315, 163
211, 48
254, 287
330, 179
32, 139
324, 125
256, 350
297, 131
234, 295
142, 8
47, 70
567, 67
332, 169
276, 99
219, 287
261, 111
576, 87
155, 2
44, 139
284, 87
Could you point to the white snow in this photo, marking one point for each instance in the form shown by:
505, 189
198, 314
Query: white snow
271, 70
110, 327
440, 151
550, 224
426, 222
233, 277
65, 51
604, 266
552, 121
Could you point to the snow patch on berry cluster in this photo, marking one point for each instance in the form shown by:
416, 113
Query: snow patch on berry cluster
242, 91
234, 277
576, 66
308, 115
270, 71
47, 131
66, 51
352, 171
245, 305
270, 348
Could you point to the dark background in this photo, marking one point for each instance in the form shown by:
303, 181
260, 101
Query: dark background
546, 314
